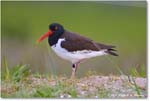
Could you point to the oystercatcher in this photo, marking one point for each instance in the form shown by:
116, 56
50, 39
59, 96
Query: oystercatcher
74, 47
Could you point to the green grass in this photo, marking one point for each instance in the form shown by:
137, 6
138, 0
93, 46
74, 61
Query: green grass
6, 75
103, 93
17, 79
25, 89
55, 91
15, 73
138, 72
18, 82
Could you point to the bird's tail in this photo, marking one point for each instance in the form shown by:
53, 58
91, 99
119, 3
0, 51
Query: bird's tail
111, 52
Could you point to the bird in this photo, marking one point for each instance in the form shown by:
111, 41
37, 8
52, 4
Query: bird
74, 47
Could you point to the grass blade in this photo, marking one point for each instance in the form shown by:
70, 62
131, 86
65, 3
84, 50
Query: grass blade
7, 72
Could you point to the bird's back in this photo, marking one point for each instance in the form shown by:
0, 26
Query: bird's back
76, 42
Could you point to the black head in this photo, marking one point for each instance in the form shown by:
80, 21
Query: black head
55, 31
56, 27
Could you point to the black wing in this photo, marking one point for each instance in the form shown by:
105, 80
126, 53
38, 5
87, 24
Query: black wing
75, 42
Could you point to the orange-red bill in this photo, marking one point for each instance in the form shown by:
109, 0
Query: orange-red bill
44, 36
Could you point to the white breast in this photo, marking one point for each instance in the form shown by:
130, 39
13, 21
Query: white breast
75, 56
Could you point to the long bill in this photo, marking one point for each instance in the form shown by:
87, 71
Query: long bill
44, 36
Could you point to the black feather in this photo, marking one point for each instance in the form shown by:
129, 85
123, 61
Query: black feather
110, 51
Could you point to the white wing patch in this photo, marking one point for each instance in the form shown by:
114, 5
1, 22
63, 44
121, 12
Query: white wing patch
76, 55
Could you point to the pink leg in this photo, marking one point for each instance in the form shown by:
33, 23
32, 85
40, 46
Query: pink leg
74, 69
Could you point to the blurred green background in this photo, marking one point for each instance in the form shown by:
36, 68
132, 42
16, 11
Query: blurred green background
122, 24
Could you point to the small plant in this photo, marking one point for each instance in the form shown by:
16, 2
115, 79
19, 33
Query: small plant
102, 93
15, 73
135, 87
44, 92
19, 72
138, 72
91, 72
6, 72
61, 88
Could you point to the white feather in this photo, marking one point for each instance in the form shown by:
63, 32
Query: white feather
75, 56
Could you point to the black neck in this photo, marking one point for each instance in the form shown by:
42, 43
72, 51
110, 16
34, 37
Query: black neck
52, 40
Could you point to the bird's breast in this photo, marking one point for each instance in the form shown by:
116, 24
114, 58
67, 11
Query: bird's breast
62, 52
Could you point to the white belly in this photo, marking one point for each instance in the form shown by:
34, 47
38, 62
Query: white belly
75, 56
